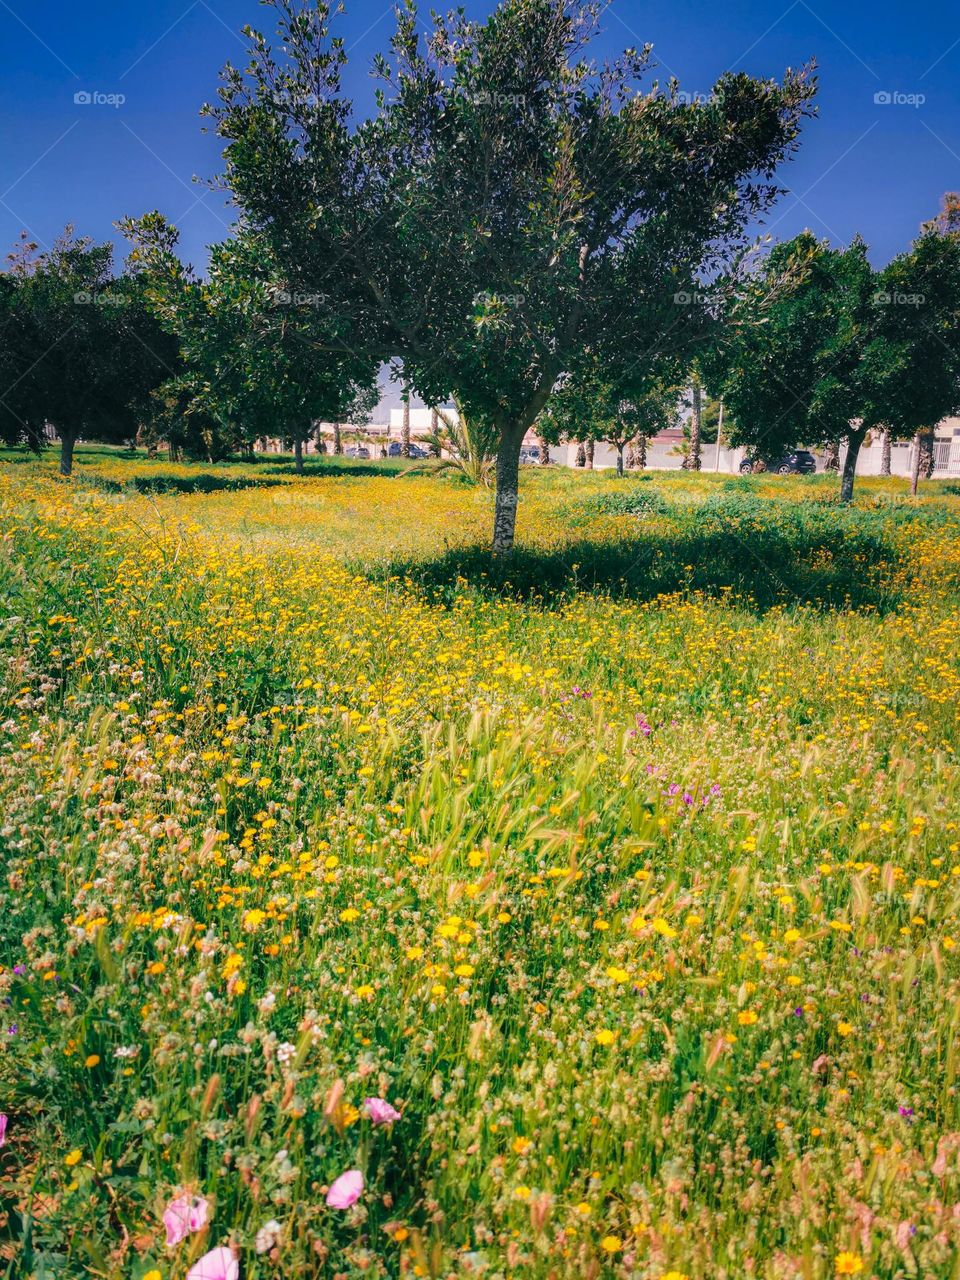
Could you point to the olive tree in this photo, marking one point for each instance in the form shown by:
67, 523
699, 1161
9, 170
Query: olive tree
507, 204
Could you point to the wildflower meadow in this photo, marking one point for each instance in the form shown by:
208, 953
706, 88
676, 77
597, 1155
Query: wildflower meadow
373, 908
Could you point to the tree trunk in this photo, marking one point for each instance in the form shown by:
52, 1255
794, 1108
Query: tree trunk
581, 455
854, 441
632, 455
832, 460
544, 451
337, 438
922, 458
885, 452
620, 460
508, 485
926, 453
435, 450
298, 455
589, 452
915, 465
68, 439
640, 453
696, 426
405, 432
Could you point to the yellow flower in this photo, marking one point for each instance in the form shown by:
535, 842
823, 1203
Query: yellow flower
349, 914
414, 953
153, 1274
664, 929
75, 1156
845, 1028
611, 1244
616, 974
747, 1018
605, 1036
464, 971
522, 1145
847, 1264
674, 1275
92, 1060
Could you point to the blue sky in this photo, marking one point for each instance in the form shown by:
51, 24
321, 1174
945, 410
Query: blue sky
877, 167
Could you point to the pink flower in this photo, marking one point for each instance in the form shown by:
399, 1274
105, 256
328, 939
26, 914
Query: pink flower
345, 1191
218, 1264
183, 1215
380, 1111
3, 1130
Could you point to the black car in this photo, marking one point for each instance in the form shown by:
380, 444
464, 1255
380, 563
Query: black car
394, 450
797, 462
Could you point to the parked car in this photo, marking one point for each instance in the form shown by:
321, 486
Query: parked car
797, 462
530, 456
357, 451
416, 450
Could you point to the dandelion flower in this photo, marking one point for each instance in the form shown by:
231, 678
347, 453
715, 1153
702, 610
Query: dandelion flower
847, 1264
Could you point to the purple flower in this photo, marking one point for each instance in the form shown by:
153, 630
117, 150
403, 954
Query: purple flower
182, 1216
218, 1264
380, 1111
20, 969
346, 1191
3, 1130
906, 1111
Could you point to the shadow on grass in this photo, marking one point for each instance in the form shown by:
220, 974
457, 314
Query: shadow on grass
821, 559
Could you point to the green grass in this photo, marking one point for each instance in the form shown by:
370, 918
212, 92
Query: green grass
627, 872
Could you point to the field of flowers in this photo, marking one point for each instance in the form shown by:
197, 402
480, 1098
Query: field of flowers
369, 911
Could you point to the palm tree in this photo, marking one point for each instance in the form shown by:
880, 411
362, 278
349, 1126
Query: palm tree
469, 445
405, 430
692, 461
435, 450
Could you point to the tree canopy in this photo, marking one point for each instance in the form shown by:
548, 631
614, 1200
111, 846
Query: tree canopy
841, 349
261, 358
79, 347
508, 204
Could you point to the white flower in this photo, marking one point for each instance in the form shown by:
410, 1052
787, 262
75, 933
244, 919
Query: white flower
267, 1236
285, 1052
